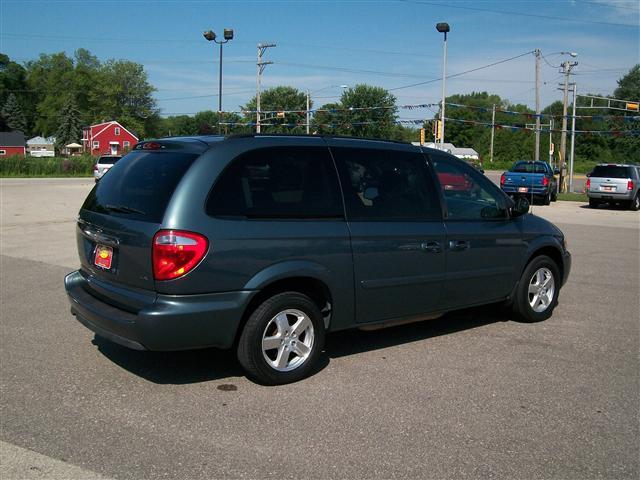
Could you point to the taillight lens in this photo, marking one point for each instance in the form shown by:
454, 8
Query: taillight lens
630, 185
176, 252
545, 181
588, 185
95, 168
502, 179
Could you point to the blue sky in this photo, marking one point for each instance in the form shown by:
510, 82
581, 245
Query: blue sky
323, 44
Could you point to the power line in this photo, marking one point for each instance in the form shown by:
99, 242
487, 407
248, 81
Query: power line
462, 73
521, 14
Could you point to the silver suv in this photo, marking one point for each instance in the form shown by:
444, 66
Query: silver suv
103, 164
614, 184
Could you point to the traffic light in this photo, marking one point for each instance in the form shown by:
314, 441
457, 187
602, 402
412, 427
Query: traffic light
422, 136
437, 129
633, 106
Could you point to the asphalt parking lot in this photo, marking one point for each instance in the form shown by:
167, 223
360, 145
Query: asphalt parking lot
469, 395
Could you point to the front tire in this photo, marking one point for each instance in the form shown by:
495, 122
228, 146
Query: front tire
538, 289
282, 339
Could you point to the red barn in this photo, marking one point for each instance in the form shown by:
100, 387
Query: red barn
12, 143
109, 138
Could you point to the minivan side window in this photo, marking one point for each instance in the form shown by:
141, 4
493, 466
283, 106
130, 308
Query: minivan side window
278, 182
386, 185
468, 194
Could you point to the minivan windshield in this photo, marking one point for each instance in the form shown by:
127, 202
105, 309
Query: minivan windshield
140, 185
611, 171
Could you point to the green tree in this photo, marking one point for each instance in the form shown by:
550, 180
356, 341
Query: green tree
123, 93
13, 79
279, 99
629, 85
13, 115
368, 112
69, 125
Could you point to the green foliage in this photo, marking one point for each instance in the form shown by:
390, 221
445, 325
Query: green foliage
629, 85
13, 116
19, 166
69, 124
203, 123
279, 98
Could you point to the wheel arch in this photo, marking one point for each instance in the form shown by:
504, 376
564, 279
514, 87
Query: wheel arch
551, 251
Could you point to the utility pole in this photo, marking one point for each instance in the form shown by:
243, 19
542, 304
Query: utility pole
550, 141
537, 153
573, 137
493, 129
308, 113
260, 66
566, 70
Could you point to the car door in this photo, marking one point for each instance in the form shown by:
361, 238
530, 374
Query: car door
484, 247
396, 229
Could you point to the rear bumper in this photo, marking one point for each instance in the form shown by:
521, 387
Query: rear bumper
512, 190
628, 195
171, 322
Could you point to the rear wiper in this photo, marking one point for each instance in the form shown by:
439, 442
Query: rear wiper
124, 209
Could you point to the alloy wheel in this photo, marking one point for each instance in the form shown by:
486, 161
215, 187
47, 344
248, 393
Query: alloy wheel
287, 340
541, 290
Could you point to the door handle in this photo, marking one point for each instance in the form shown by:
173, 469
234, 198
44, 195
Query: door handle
458, 245
431, 247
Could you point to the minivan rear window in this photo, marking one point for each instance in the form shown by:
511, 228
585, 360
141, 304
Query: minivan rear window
611, 171
140, 185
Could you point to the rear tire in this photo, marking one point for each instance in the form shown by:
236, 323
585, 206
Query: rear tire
554, 196
547, 199
635, 203
538, 289
593, 203
282, 339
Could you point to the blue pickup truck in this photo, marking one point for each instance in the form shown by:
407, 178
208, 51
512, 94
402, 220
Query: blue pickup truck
534, 180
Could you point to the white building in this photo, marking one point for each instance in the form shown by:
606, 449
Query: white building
41, 147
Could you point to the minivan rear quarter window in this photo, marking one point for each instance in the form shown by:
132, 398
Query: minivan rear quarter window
140, 185
611, 171
280, 182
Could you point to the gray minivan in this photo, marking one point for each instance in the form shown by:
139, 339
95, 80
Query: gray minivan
264, 243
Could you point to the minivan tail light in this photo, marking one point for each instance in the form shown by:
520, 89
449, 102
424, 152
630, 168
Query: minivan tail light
176, 252
502, 179
630, 185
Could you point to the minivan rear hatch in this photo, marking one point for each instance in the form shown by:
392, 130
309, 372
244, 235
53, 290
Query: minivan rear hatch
124, 210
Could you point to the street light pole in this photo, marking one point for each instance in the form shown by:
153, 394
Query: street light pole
210, 35
443, 28
537, 149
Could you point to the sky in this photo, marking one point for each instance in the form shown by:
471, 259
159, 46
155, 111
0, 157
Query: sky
322, 45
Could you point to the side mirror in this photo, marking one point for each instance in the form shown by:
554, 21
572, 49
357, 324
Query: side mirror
588, 174
556, 171
521, 207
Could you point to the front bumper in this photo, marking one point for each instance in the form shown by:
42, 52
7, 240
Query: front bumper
566, 266
171, 322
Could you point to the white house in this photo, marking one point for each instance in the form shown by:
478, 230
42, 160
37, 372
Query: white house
41, 147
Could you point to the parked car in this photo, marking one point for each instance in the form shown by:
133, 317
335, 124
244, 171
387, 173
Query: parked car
614, 184
531, 179
265, 243
103, 164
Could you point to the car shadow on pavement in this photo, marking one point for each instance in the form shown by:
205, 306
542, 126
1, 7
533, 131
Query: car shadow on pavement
176, 368
350, 342
204, 365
